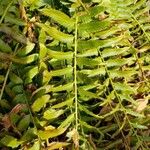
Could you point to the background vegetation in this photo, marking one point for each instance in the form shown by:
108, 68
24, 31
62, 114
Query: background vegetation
74, 74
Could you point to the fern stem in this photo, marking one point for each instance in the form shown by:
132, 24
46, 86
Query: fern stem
5, 12
34, 122
119, 100
80, 1
5, 80
141, 27
75, 74
140, 66
7, 74
115, 115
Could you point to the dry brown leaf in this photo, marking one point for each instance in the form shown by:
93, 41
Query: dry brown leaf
141, 104
107, 108
18, 108
73, 134
6, 121
75, 138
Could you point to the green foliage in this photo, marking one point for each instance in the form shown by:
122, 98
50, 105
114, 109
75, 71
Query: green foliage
74, 74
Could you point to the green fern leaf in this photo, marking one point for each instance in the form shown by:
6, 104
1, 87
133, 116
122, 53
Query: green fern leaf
59, 17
